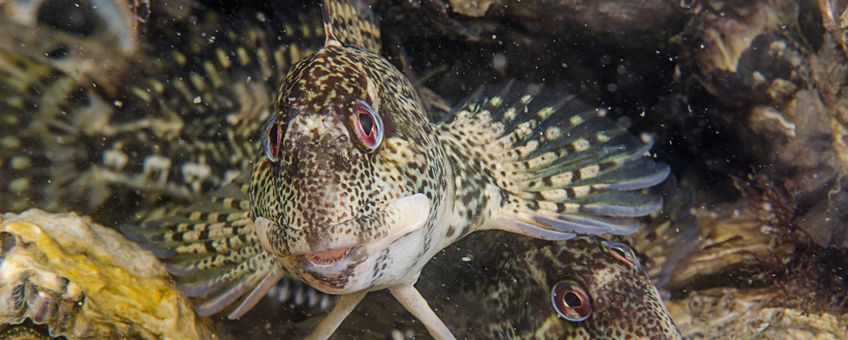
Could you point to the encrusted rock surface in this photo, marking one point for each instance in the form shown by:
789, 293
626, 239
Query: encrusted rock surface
83, 280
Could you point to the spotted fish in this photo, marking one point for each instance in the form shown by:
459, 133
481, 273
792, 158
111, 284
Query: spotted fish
356, 188
181, 123
585, 288
500, 286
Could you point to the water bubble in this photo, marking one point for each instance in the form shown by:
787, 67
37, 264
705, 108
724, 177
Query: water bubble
499, 62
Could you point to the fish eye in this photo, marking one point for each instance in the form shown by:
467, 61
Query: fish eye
367, 125
621, 252
272, 138
571, 301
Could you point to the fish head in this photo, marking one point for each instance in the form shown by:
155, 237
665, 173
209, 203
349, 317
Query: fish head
338, 179
597, 289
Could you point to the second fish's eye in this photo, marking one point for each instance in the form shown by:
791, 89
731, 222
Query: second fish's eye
571, 301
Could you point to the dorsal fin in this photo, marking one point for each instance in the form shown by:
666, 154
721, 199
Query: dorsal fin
351, 23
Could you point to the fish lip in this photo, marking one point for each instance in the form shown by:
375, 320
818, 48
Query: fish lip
353, 257
321, 259
410, 212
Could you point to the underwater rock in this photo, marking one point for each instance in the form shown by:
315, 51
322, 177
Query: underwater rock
722, 313
758, 274
741, 52
732, 238
83, 280
835, 20
478, 20
777, 82
611, 18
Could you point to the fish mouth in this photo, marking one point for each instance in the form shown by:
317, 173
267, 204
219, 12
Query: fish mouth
328, 257
400, 218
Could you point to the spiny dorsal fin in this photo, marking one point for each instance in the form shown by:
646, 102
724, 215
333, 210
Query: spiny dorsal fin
351, 23
563, 167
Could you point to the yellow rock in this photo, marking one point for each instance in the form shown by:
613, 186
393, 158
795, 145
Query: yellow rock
84, 280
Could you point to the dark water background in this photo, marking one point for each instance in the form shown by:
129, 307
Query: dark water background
761, 144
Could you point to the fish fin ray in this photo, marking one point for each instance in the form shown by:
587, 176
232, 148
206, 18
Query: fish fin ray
558, 164
212, 251
351, 23
670, 234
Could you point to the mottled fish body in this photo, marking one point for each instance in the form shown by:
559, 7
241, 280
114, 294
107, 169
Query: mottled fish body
584, 288
181, 124
589, 287
351, 187
357, 188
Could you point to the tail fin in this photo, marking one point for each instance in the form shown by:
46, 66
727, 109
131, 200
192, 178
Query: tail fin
37, 147
212, 251
670, 234
560, 167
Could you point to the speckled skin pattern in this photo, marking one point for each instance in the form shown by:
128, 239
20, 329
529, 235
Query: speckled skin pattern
625, 303
499, 164
514, 157
324, 178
